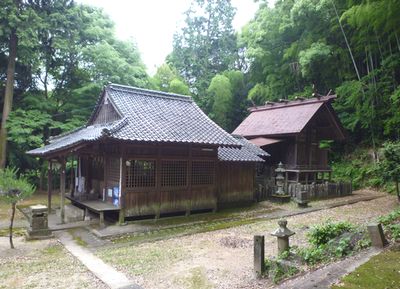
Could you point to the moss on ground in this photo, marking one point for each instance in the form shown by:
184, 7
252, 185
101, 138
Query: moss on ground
16, 232
139, 261
380, 272
197, 279
181, 231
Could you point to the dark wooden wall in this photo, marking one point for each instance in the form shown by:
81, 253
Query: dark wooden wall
153, 190
236, 182
162, 198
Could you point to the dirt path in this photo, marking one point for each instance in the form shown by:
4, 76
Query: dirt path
223, 259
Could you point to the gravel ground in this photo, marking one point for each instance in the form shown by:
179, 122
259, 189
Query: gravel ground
223, 259
42, 264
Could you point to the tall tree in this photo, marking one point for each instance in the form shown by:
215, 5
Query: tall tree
220, 92
17, 20
168, 79
206, 45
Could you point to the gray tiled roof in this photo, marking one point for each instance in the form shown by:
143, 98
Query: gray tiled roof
237, 155
80, 135
163, 117
247, 153
151, 116
250, 146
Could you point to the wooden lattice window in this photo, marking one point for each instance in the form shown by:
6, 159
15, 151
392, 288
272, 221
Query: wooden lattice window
140, 174
203, 173
173, 173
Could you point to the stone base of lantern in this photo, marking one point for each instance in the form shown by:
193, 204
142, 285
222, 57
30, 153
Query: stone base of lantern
280, 198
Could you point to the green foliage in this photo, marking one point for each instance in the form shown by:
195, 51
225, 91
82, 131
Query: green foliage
277, 271
391, 223
390, 165
358, 168
312, 255
321, 234
299, 43
167, 79
220, 92
13, 188
331, 240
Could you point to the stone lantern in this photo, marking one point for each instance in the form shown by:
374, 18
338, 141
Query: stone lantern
282, 234
280, 179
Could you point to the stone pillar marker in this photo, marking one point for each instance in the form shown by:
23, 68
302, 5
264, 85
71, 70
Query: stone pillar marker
38, 223
259, 255
302, 199
376, 234
282, 234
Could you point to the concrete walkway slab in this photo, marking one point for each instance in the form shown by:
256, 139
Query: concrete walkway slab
111, 277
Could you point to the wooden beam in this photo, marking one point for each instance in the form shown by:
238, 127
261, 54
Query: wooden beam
189, 181
122, 186
62, 190
49, 185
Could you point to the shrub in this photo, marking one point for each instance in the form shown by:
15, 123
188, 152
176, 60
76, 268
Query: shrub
312, 255
323, 233
278, 270
391, 223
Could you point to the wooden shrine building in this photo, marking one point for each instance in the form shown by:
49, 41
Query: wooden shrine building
148, 153
292, 132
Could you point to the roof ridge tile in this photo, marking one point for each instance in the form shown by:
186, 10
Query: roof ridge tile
149, 92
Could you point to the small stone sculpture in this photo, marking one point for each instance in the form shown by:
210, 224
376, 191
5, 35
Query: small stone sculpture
282, 234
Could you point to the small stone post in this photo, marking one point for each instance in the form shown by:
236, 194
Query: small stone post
376, 234
38, 223
282, 234
259, 255
302, 200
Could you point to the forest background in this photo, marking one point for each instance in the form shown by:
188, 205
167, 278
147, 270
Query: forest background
62, 53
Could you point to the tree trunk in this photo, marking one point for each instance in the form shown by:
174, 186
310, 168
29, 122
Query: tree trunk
8, 96
398, 190
13, 205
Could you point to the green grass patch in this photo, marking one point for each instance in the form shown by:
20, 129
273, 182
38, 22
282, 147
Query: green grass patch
380, 272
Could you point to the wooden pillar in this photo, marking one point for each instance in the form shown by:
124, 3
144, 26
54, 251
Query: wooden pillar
122, 186
189, 181
49, 185
101, 215
158, 181
72, 177
62, 190
105, 162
